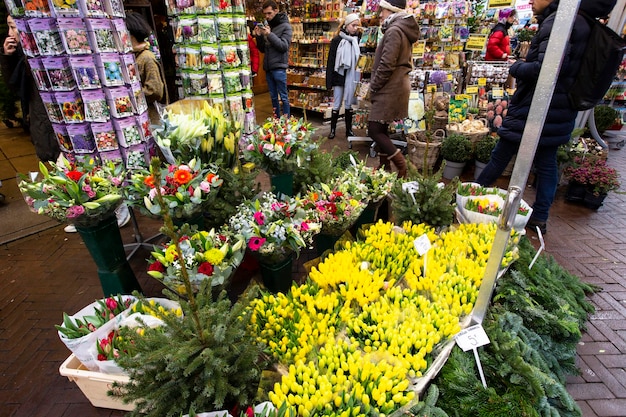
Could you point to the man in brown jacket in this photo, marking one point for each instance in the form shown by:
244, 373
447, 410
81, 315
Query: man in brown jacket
390, 85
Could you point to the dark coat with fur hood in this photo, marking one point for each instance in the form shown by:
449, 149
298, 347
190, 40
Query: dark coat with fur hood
390, 85
561, 116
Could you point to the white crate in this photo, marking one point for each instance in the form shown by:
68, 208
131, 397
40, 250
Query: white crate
94, 384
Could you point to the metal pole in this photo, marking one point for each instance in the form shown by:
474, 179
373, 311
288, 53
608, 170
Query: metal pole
546, 82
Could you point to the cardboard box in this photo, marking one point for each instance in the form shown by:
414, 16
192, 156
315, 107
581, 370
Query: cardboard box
94, 385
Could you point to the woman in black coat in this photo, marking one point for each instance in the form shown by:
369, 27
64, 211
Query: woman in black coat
561, 116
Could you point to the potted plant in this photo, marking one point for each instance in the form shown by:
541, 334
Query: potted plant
594, 177
605, 117
456, 150
482, 153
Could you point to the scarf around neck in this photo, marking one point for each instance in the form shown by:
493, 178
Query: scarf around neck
347, 53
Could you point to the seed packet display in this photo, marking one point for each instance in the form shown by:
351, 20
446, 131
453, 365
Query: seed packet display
74, 35
238, 6
85, 72
27, 39
197, 83
244, 76
185, 6
240, 28
235, 108
71, 105
232, 82
121, 36
139, 99
192, 59
203, 6
210, 59
129, 69
207, 32
219, 104
82, 138
185, 29
96, 106
51, 106
120, 103
40, 75
223, 6
136, 156
225, 29
14, 7
92, 8
215, 86
36, 8
114, 8
143, 120
59, 73
101, 34
65, 8
247, 99
249, 122
228, 56
63, 138
47, 38
114, 156
105, 136
110, 69
243, 51
127, 131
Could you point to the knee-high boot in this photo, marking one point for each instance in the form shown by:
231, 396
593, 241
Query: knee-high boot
334, 115
398, 160
348, 117
383, 162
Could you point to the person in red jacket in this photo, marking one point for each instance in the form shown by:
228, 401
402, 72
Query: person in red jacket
254, 55
499, 45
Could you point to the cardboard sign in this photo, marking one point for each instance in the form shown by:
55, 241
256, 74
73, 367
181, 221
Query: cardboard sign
500, 3
418, 49
476, 42
471, 89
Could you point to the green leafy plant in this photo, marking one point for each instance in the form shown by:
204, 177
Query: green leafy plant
456, 148
484, 147
605, 117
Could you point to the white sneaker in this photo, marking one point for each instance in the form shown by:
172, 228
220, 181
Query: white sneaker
123, 215
70, 228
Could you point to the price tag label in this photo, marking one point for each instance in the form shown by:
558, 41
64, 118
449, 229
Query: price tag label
418, 49
422, 244
500, 3
482, 82
411, 188
497, 92
431, 88
471, 338
449, 76
475, 42
472, 89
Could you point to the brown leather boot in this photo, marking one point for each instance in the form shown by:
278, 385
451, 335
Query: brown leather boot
384, 163
398, 160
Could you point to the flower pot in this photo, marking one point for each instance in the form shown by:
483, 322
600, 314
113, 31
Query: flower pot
277, 277
368, 216
282, 184
325, 242
105, 245
575, 191
593, 201
453, 169
478, 168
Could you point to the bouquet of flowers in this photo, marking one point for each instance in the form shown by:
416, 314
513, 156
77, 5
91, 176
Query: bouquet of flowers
594, 173
80, 193
280, 145
274, 229
370, 184
335, 208
487, 208
186, 188
212, 255
202, 132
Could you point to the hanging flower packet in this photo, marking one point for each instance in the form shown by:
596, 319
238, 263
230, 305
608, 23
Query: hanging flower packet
215, 86
121, 36
193, 58
244, 76
228, 56
63, 139
119, 101
96, 106
110, 69
210, 60
232, 82
185, 6
143, 120
40, 75
51, 106
27, 39
243, 51
85, 72
136, 156
74, 35
36, 8
127, 131
240, 28
47, 38
186, 29
71, 105
225, 29
105, 136
82, 138
65, 8
207, 31
223, 6
114, 8
59, 73
115, 156
203, 7
129, 69
101, 34
235, 108
197, 83
92, 8
139, 99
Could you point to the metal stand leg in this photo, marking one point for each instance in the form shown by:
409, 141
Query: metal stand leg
139, 240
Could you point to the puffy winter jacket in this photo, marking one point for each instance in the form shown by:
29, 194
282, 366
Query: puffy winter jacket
561, 117
498, 43
276, 45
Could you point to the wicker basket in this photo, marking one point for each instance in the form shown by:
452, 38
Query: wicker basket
417, 149
437, 135
440, 122
474, 136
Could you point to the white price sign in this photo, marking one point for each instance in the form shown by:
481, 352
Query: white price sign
422, 244
472, 337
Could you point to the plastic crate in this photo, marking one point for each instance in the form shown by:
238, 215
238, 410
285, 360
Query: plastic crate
94, 385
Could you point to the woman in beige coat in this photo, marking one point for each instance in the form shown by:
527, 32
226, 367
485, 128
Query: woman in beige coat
390, 85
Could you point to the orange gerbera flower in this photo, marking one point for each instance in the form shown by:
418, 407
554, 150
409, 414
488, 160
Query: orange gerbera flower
149, 181
210, 176
182, 176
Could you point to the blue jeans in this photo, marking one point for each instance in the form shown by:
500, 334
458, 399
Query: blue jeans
277, 84
546, 173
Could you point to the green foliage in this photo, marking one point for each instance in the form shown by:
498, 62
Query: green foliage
604, 117
456, 148
427, 408
430, 203
184, 368
534, 326
236, 188
483, 149
318, 169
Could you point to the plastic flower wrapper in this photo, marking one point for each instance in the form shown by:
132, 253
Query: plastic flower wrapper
335, 208
80, 193
212, 255
186, 188
274, 230
280, 145
368, 183
202, 133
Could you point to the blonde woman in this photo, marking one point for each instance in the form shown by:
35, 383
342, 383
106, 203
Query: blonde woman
341, 74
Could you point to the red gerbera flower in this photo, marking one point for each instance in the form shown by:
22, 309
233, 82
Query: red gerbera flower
255, 243
74, 175
205, 268
156, 266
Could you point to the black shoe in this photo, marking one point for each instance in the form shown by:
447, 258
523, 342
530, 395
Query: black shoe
2, 198
331, 135
533, 224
